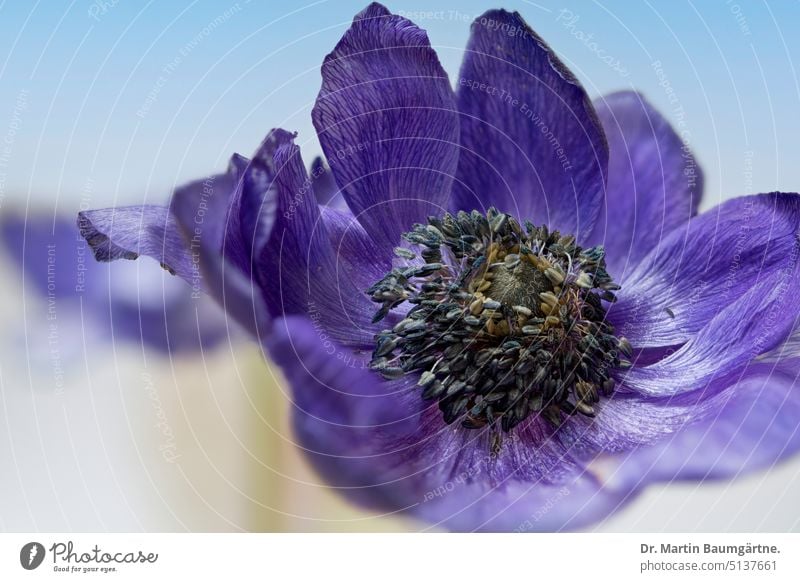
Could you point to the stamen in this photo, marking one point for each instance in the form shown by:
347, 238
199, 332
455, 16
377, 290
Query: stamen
503, 324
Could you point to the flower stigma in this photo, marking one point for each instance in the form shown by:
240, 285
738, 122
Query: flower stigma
500, 323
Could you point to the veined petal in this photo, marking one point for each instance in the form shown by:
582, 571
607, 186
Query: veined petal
184, 237
125, 303
532, 144
386, 119
757, 322
383, 447
201, 206
750, 426
209, 213
345, 416
251, 213
702, 269
241, 297
654, 182
324, 185
354, 250
130, 231
357, 266
171, 234
297, 265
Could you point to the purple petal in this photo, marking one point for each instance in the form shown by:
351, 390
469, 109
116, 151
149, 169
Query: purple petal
384, 447
750, 426
297, 267
240, 297
252, 211
756, 323
172, 236
520, 506
700, 270
386, 119
654, 182
297, 237
325, 190
358, 265
380, 445
630, 420
143, 304
345, 416
531, 142
156, 311
356, 255
46, 249
128, 232
201, 207
203, 210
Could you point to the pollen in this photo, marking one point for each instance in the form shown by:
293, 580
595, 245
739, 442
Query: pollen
499, 322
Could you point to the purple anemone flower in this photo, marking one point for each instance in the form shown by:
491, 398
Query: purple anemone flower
82, 297
517, 321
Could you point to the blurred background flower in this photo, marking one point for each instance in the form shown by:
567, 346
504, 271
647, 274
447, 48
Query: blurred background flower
128, 304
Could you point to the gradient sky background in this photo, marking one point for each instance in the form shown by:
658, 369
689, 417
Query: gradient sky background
89, 128
109, 106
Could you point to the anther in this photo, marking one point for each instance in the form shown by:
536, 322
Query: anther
504, 323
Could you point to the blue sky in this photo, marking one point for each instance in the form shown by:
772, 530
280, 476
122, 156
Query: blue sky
117, 105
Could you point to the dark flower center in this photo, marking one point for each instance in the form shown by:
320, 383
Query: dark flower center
504, 322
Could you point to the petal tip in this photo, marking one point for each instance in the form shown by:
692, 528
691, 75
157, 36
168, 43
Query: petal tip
275, 140
237, 164
103, 249
373, 10
625, 95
